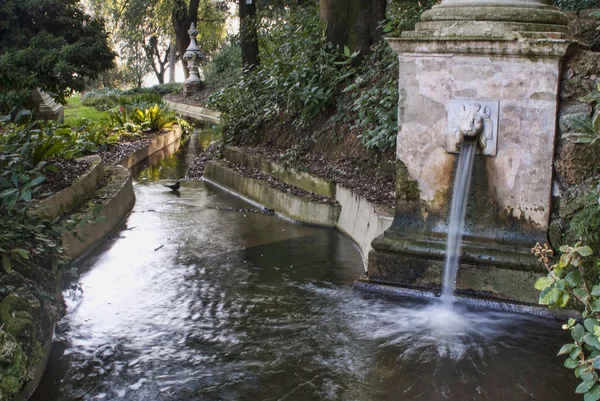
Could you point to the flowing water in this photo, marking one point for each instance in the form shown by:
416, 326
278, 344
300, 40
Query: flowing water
189, 301
458, 208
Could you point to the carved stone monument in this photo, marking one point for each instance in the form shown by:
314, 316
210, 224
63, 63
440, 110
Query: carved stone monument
193, 56
488, 67
45, 107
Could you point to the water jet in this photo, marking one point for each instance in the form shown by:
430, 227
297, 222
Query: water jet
489, 70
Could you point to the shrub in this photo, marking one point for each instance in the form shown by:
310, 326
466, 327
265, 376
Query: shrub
576, 5
297, 78
25, 239
135, 121
301, 75
108, 99
586, 224
225, 68
572, 281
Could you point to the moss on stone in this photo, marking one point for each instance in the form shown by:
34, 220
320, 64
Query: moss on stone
407, 189
13, 366
18, 322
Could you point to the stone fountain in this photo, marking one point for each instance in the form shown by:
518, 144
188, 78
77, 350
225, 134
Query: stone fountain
492, 67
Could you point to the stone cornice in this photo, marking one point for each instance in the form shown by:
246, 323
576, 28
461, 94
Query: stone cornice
508, 47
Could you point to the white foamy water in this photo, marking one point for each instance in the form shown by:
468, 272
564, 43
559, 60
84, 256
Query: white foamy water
460, 194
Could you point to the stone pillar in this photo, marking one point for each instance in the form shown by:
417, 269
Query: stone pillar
193, 56
505, 58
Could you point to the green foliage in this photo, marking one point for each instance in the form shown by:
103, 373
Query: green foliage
587, 130
371, 101
402, 15
297, 78
132, 122
586, 223
225, 67
569, 281
52, 45
301, 75
576, 5
25, 238
108, 99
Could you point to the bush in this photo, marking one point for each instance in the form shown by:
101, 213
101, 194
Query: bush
297, 78
301, 75
574, 281
577, 5
108, 99
52, 45
225, 68
160, 89
25, 239
132, 122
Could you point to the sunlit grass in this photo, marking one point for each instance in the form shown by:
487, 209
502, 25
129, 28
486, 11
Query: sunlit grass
75, 111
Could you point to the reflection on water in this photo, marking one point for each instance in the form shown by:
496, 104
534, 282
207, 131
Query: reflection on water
172, 162
189, 302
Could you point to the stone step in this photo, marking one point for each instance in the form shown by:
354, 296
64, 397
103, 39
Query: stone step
298, 208
115, 200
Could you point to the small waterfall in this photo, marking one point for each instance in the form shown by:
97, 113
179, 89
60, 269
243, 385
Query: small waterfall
460, 194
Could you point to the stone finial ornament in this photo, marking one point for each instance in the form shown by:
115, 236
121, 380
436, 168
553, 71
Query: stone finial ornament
474, 121
193, 56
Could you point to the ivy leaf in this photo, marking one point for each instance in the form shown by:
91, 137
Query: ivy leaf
577, 333
585, 251
590, 323
593, 394
550, 295
22, 253
571, 363
585, 386
543, 282
596, 291
565, 349
6, 263
595, 306
573, 278
581, 293
591, 340
347, 51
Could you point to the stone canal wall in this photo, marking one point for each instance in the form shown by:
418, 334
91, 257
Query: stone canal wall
352, 214
34, 303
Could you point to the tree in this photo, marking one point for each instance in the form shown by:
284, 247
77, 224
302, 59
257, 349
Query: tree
136, 62
249, 36
353, 23
209, 17
50, 44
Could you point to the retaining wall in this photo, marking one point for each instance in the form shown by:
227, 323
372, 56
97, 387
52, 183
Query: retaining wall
195, 112
358, 218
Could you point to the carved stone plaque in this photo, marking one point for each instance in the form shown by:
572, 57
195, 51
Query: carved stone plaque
472, 118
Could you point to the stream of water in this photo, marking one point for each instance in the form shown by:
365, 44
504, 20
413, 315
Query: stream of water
189, 301
458, 208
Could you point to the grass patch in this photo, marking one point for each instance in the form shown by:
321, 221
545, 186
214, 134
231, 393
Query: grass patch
75, 111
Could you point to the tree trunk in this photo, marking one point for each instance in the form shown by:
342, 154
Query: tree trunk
182, 17
353, 23
248, 32
172, 61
